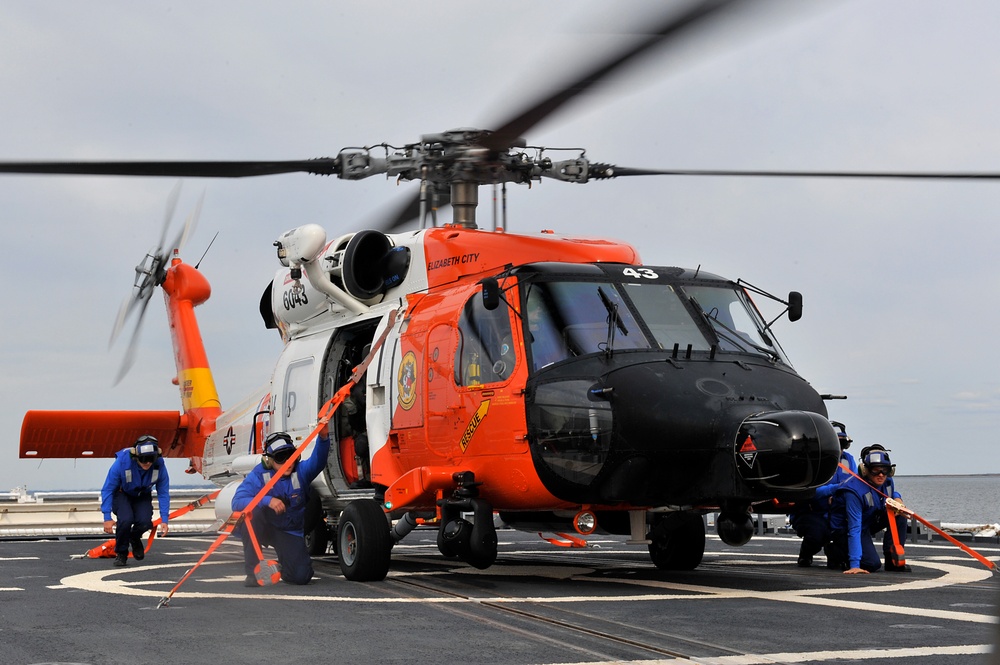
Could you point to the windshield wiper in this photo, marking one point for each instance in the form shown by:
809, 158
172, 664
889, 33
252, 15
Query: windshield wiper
614, 321
725, 332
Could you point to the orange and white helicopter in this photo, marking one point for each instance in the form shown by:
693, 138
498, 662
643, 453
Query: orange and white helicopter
556, 381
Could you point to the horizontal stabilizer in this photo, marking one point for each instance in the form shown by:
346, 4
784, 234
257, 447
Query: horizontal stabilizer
82, 434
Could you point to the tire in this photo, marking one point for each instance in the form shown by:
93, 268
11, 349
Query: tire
317, 533
318, 539
363, 542
678, 541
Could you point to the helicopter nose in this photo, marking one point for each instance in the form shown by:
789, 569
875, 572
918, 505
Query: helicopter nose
657, 434
786, 450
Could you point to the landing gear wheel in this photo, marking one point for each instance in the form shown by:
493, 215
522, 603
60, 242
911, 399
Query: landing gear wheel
317, 540
363, 542
678, 541
317, 533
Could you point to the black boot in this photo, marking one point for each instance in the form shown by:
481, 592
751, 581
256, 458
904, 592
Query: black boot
137, 549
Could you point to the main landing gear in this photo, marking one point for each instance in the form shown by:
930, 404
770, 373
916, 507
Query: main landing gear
365, 539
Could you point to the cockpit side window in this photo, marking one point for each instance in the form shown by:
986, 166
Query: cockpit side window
485, 351
545, 327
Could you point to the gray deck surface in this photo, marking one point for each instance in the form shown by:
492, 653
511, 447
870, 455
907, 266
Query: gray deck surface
538, 604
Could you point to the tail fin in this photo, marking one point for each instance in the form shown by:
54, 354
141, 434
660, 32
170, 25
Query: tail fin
181, 434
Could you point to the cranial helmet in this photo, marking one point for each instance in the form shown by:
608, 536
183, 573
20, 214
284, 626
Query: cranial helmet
878, 457
146, 449
279, 447
845, 440
874, 446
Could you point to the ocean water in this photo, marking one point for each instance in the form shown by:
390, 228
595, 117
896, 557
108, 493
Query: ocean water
952, 499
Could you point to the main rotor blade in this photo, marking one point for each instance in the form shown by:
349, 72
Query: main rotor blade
503, 136
603, 171
186, 169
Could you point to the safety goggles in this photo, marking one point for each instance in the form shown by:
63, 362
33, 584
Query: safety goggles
146, 459
282, 456
880, 471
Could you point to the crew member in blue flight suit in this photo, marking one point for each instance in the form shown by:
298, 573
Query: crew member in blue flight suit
810, 519
128, 493
278, 520
858, 511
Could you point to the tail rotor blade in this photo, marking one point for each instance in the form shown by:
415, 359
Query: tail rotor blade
190, 224
129, 358
172, 199
148, 275
123, 313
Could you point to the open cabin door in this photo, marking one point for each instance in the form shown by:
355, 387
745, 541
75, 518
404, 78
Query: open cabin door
348, 467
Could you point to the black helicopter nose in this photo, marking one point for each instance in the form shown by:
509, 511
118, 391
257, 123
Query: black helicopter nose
786, 450
662, 433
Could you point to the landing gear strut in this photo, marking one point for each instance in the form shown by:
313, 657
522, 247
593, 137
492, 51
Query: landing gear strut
474, 542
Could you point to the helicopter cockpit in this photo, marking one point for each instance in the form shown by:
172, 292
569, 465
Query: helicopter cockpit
637, 373
616, 309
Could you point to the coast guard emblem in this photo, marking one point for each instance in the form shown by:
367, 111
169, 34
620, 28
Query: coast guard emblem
406, 381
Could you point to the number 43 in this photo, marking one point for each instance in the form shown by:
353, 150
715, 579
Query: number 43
644, 273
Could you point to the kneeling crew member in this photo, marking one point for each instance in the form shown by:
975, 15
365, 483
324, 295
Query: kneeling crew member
279, 518
128, 493
858, 511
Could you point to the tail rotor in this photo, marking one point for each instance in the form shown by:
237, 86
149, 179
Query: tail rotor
150, 273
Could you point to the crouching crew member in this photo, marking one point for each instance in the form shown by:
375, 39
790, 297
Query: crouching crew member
128, 493
859, 511
279, 519
810, 519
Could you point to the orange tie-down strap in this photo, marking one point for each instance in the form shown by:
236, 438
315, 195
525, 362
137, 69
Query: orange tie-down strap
107, 548
896, 506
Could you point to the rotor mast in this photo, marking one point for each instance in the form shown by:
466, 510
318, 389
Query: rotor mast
458, 162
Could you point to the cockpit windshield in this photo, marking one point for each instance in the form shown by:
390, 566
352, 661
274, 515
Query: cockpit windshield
733, 319
567, 318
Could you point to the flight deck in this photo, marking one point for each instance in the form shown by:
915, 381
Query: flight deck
539, 603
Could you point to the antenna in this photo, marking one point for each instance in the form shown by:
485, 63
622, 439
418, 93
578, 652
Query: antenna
206, 250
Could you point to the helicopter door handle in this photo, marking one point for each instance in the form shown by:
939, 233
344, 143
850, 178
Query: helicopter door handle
289, 404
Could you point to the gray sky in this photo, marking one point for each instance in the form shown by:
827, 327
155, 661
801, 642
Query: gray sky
898, 277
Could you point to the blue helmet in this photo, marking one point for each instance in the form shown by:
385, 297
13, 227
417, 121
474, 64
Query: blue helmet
879, 459
842, 436
146, 449
279, 447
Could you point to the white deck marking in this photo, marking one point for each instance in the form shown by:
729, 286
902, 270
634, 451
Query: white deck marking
115, 581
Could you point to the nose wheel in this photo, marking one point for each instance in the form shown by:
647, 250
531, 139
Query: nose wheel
677, 541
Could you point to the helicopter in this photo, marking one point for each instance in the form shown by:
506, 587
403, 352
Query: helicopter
659, 406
